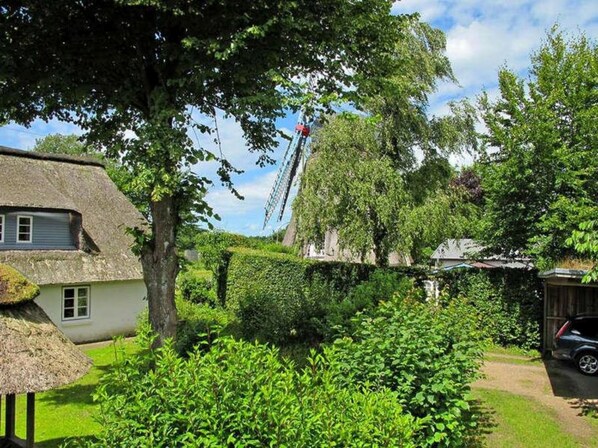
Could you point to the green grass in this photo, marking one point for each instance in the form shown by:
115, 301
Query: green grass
69, 411
514, 421
512, 351
512, 355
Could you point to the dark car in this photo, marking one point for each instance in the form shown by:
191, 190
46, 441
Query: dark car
577, 341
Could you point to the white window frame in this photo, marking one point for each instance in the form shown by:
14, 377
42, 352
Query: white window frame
2, 228
30, 240
75, 308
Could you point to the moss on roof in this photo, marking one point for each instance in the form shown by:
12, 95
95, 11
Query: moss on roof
14, 287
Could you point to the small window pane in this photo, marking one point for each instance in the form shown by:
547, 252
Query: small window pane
69, 303
69, 313
68, 293
82, 292
82, 301
82, 311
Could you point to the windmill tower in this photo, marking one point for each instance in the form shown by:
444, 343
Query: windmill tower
293, 161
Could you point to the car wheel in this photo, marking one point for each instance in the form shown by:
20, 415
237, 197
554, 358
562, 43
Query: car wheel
587, 363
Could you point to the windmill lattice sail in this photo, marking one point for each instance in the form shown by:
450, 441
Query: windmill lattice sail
295, 153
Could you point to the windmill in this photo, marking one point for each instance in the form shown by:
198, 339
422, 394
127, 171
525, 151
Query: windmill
294, 158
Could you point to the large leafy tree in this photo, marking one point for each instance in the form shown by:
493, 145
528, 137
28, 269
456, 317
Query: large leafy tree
373, 179
135, 73
540, 178
352, 186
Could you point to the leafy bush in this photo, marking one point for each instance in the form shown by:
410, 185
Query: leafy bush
197, 324
201, 323
426, 353
509, 302
197, 287
239, 394
339, 314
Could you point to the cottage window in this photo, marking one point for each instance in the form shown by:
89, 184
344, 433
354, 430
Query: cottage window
75, 302
24, 229
1, 228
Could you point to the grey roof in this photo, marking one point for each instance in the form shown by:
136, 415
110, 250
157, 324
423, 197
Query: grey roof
563, 273
468, 249
83, 186
463, 249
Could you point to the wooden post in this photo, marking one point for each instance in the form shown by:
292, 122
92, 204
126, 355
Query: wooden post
30, 420
10, 416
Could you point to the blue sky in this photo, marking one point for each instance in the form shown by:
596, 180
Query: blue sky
482, 36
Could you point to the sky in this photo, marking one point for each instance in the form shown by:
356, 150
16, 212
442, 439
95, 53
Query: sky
482, 36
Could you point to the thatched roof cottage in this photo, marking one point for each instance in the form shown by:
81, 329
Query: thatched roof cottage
63, 225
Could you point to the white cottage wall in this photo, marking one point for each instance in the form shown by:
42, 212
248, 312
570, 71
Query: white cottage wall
114, 308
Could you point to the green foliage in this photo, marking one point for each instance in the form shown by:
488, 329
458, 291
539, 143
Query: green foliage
541, 183
197, 287
585, 242
266, 290
508, 302
285, 299
366, 181
427, 354
349, 186
239, 394
159, 65
339, 312
212, 246
201, 324
63, 144
288, 301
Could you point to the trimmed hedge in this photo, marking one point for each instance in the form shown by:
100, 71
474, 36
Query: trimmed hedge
284, 299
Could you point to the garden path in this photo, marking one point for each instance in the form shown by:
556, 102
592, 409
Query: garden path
555, 385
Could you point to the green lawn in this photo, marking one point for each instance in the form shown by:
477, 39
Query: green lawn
69, 411
513, 421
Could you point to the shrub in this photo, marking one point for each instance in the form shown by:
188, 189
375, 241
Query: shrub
197, 287
197, 325
239, 394
426, 353
339, 314
201, 323
509, 302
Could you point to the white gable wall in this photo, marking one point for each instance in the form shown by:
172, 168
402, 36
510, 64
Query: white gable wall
113, 309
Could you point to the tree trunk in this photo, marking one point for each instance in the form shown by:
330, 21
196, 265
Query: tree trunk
381, 255
380, 246
160, 268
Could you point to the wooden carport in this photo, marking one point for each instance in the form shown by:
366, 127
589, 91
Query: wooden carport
564, 296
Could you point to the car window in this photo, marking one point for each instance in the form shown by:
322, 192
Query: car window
587, 327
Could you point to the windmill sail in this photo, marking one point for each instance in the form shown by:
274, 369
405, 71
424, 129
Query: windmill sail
296, 151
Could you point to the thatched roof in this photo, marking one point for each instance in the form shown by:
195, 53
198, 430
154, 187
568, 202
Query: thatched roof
34, 355
83, 186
